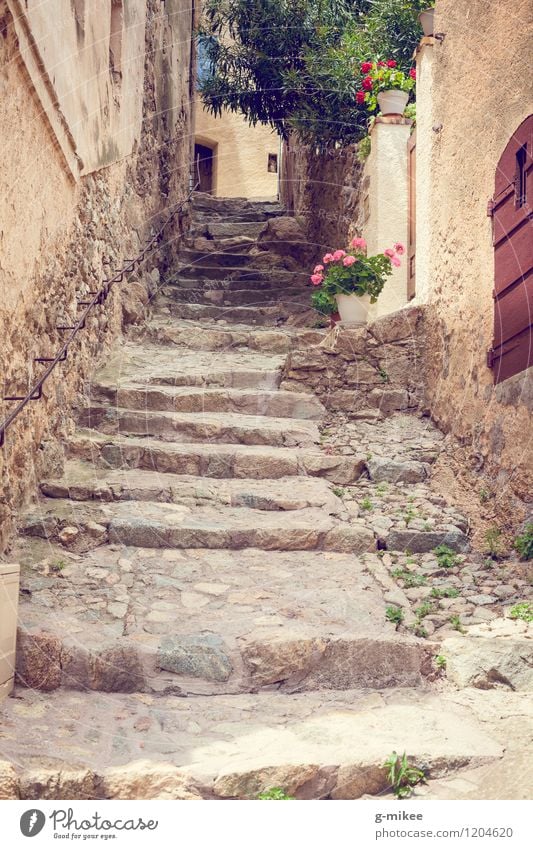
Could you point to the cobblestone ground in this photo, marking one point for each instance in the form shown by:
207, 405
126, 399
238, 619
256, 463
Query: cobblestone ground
229, 589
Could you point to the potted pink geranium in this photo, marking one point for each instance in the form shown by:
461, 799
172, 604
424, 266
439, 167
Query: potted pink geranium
350, 281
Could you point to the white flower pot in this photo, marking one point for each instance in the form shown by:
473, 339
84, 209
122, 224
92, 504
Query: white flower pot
353, 309
393, 102
426, 19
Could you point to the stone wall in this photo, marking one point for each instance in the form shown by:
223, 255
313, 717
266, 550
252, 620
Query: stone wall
471, 98
369, 372
325, 189
59, 225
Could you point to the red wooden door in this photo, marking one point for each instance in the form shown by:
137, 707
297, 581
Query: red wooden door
512, 231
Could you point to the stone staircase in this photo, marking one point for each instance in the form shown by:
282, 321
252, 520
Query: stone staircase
201, 614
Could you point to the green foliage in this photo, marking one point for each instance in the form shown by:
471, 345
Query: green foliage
409, 515
410, 112
394, 614
493, 542
409, 579
446, 557
444, 592
295, 64
484, 495
275, 793
366, 504
456, 624
338, 491
381, 489
322, 302
523, 610
523, 543
384, 376
440, 661
402, 775
363, 148
424, 610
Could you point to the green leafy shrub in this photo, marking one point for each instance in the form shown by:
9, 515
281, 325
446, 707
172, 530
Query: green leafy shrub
277, 793
402, 775
446, 557
523, 543
523, 610
394, 614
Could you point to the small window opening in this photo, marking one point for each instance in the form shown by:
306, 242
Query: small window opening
272, 163
521, 181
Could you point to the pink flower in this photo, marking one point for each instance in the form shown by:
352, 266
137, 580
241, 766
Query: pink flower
317, 269
358, 243
360, 97
399, 248
395, 261
366, 67
389, 252
412, 73
338, 255
367, 83
391, 63
327, 258
349, 260
316, 279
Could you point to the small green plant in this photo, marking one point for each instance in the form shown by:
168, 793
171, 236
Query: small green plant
338, 491
409, 579
440, 661
402, 775
410, 112
384, 376
275, 793
381, 489
323, 302
523, 543
444, 592
426, 526
484, 495
456, 624
446, 557
58, 565
419, 630
424, 610
493, 542
409, 515
394, 614
523, 610
363, 149
369, 456
366, 504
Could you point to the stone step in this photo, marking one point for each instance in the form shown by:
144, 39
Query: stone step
229, 428
231, 229
276, 282
266, 316
237, 297
200, 399
197, 337
221, 259
213, 461
84, 482
277, 275
156, 364
312, 746
86, 525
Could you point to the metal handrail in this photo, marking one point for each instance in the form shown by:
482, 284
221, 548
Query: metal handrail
98, 298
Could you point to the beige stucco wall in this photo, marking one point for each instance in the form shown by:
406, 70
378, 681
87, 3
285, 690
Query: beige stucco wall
58, 225
478, 95
385, 205
241, 154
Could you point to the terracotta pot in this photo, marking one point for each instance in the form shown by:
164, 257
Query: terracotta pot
393, 102
334, 318
353, 309
426, 19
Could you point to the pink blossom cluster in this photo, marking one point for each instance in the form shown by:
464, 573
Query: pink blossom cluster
347, 259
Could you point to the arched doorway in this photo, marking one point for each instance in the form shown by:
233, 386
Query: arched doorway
511, 210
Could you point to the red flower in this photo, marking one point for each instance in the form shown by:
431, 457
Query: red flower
381, 64
412, 73
391, 63
360, 97
366, 67
367, 83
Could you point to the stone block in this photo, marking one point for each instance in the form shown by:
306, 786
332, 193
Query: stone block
199, 656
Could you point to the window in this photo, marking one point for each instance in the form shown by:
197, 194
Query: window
272, 166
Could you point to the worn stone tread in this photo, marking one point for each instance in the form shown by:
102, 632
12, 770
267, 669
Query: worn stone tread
199, 399
216, 460
229, 428
317, 745
84, 482
169, 525
253, 315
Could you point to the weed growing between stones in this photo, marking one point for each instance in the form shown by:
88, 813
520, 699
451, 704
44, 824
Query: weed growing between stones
523, 610
494, 543
366, 504
455, 622
446, 557
402, 775
523, 543
440, 662
277, 793
394, 614
445, 592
